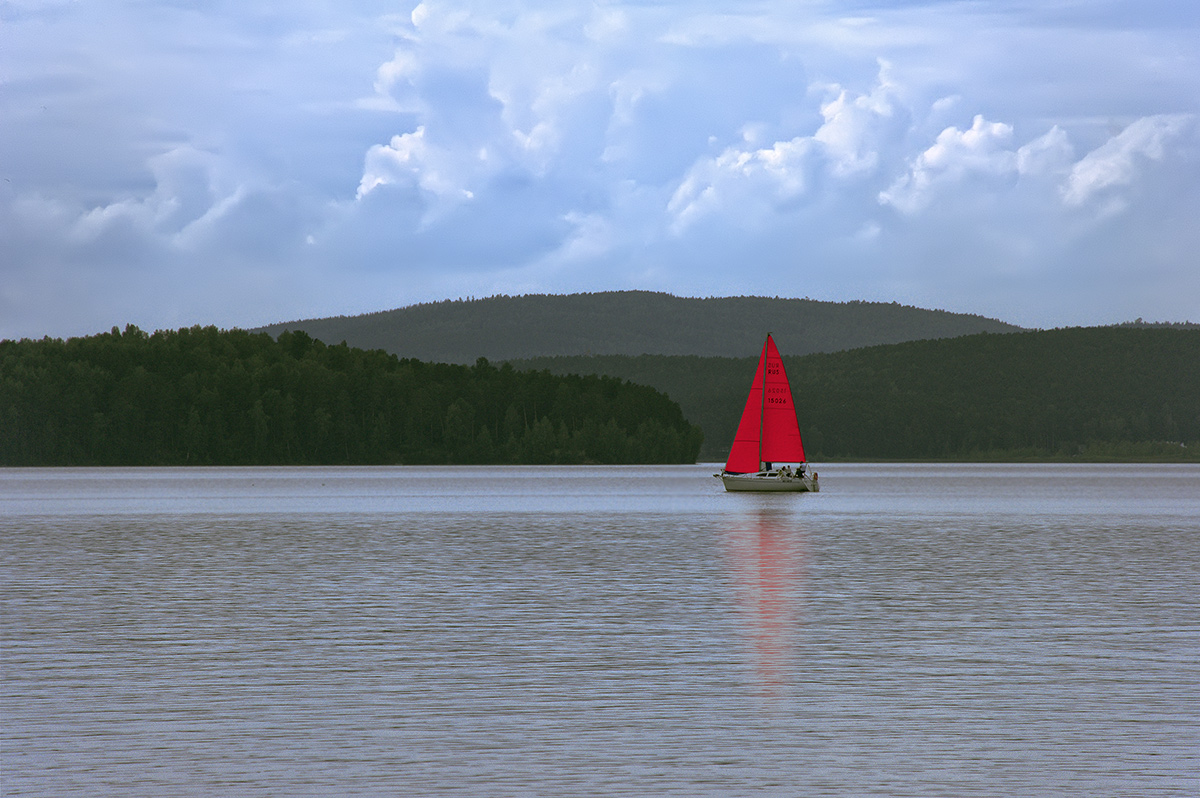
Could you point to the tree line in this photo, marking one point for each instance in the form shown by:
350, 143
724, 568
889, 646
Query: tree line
1098, 393
206, 396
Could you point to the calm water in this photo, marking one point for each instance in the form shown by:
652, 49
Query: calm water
911, 630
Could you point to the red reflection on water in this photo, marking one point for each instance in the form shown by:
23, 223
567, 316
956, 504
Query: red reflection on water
766, 561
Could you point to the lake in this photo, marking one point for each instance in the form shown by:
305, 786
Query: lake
912, 630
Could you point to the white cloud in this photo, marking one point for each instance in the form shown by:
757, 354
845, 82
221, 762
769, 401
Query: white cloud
592, 238
409, 160
1119, 161
186, 155
395, 85
984, 151
854, 126
188, 187
1049, 154
751, 183
400, 160
419, 14
742, 183
981, 150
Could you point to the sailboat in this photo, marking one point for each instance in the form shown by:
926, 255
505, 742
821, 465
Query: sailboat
767, 453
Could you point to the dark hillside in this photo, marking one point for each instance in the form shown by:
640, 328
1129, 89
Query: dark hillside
207, 396
632, 323
1108, 392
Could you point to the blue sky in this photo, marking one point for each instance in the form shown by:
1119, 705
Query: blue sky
238, 163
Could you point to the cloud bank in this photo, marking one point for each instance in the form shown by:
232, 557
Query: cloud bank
175, 164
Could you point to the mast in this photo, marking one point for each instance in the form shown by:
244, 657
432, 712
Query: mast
763, 404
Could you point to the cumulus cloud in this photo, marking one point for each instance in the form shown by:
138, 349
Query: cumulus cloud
1048, 155
747, 183
408, 159
186, 190
395, 85
980, 151
318, 160
985, 152
752, 183
1119, 161
856, 127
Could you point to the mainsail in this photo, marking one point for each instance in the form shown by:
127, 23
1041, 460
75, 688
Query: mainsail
768, 431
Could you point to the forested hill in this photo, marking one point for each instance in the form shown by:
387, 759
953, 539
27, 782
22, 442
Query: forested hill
632, 323
205, 396
1099, 393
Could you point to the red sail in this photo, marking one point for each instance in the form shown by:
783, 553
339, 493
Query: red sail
781, 432
768, 431
744, 455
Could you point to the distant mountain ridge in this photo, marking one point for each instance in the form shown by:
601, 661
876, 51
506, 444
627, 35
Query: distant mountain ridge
632, 323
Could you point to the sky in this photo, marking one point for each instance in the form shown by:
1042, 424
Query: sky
243, 162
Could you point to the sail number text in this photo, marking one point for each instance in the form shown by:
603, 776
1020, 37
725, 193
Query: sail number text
780, 395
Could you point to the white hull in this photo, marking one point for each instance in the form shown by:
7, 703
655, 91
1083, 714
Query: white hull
769, 481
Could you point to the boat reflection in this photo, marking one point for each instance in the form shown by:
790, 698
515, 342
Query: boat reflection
766, 553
